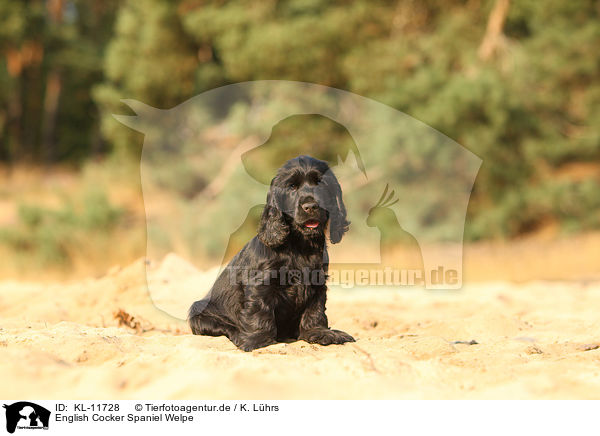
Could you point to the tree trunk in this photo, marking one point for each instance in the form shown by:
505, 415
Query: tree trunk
494, 38
50, 117
53, 90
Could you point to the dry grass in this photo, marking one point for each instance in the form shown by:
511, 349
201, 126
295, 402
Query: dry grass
545, 255
90, 253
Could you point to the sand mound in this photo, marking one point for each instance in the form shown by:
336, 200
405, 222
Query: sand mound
175, 283
63, 340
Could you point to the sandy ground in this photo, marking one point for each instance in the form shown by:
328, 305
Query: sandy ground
534, 340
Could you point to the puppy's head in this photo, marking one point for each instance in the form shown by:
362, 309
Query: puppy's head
304, 197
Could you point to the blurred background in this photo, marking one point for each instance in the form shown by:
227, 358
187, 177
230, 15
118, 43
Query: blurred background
515, 82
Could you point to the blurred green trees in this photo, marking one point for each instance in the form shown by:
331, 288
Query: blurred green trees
52, 54
517, 83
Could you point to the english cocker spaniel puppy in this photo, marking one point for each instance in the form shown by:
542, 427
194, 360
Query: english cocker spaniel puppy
274, 288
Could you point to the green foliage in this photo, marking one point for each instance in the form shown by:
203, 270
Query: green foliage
150, 59
527, 111
531, 108
575, 205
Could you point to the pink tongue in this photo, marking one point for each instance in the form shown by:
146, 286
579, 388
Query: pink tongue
312, 224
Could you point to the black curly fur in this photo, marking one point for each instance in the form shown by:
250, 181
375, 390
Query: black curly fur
274, 288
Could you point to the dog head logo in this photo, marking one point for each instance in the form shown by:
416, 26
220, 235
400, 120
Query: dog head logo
219, 150
26, 415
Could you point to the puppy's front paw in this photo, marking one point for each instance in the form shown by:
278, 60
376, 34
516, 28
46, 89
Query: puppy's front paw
255, 341
326, 336
342, 337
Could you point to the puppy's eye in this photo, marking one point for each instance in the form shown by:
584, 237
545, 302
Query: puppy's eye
293, 186
314, 179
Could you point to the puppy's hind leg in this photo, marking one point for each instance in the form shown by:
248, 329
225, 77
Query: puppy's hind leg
204, 321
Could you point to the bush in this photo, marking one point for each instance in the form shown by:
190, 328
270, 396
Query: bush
50, 234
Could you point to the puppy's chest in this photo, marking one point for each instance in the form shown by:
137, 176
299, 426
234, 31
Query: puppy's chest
293, 297
297, 284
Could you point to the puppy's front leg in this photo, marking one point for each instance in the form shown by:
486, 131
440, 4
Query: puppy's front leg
257, 319
314, 327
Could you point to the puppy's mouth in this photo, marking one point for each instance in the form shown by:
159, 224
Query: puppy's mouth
312, 224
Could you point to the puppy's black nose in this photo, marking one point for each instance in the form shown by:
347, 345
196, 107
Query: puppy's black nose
310, 207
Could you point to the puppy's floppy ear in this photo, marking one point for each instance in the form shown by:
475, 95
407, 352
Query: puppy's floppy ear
338, 224
272, 230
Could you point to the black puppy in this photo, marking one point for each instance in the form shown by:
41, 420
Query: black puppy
274, 288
